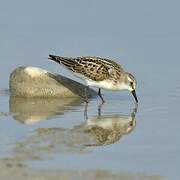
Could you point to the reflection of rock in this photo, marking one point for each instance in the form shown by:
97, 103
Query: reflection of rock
36, 82
97, 131
32, 110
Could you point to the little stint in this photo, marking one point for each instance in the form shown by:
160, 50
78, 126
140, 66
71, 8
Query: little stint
99, 72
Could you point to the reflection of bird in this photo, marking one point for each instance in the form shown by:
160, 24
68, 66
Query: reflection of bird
108, 129
97, 131
99, 72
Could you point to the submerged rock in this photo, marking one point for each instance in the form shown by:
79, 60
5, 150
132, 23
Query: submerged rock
37, 82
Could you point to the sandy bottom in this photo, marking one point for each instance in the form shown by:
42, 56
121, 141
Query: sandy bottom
11, 170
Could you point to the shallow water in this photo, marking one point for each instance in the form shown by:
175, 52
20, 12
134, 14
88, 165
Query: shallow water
55, 134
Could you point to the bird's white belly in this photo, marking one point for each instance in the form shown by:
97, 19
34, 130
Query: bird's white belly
106, 84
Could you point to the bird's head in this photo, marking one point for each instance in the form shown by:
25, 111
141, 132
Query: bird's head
131, 84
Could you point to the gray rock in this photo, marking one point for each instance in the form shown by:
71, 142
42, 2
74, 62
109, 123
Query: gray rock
36, 82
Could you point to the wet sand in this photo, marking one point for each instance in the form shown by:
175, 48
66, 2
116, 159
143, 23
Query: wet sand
10, 170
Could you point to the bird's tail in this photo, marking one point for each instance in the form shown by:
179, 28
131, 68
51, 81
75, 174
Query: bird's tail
54, 58
68, 62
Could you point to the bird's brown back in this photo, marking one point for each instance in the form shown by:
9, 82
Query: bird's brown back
94, 68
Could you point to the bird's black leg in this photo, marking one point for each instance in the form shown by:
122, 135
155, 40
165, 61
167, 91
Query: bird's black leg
86, 93
99, 109
100, 95
133, 114
85, 111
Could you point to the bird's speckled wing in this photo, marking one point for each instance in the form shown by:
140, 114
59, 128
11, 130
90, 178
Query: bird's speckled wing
94, 68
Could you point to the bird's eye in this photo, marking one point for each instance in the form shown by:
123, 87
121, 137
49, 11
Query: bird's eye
132, 85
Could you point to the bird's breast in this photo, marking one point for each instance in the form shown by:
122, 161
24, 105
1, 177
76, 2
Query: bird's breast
105, 84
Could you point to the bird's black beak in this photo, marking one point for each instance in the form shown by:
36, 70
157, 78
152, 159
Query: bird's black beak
134, 94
